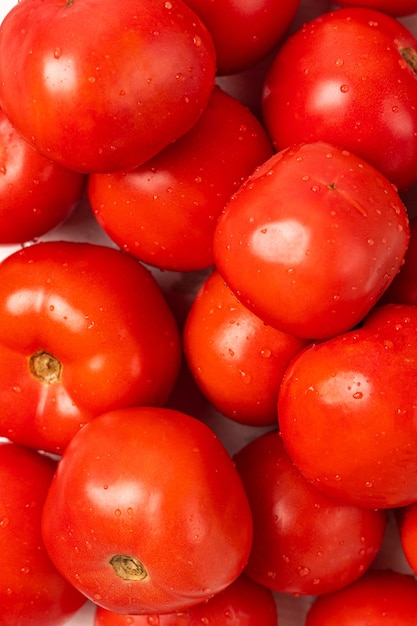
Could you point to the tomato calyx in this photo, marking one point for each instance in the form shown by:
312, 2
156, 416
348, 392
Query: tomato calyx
45, 367
128, 567
410, 57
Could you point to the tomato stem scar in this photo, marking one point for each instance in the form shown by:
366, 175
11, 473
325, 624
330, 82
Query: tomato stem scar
410, 56
45, 367
128, 567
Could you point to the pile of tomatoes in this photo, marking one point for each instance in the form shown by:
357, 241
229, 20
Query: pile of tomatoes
208, 313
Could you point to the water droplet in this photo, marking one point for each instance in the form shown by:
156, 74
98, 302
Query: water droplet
266, 353
117, 512
358, 395
197, 41
4, 522
57, 52
247, 378
344, 88
168, 5
304, 571
339, 62
153, 620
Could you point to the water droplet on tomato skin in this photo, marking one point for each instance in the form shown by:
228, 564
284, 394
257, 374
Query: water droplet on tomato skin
304, 571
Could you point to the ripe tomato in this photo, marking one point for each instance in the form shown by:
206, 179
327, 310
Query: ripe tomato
147, 513
237, 361
35, 194
304, 541
31, 589
379, 598
257, 27
347, 78
393, 7
165, 211
311, 240
84, 329
403, 289
242, 603
407, 527
346, 411
99, 85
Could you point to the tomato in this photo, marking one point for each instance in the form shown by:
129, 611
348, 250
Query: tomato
311, 240
403, 289
147, 513
407, 527
35, 194
347, 78
346, 411
84, 329
304, 541
380, 597
242, 603
31, 589
257, 28
100, 86
393, 7
165, 211
237, 361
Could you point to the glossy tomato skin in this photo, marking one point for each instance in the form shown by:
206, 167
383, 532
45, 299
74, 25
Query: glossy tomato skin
35, 194
31, 589
114, 93
155, 489
311, 240
344, 78
304, 541
242, 603
84, 329
407, 528
346, 411
257, 28
165, 211
403, 289
380, 597
396, 8
237, 360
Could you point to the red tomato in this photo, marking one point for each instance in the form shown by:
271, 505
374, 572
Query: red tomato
311, 240
31, 589
379, 598
147, 513
403, 289
304, 541
84, 329
346, 411
407, 526
165, 211
243, 603
393, 7
347, 78
244, 32
237, 361
98, 85
35, 194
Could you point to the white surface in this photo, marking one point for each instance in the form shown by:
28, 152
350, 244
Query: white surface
81, 226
